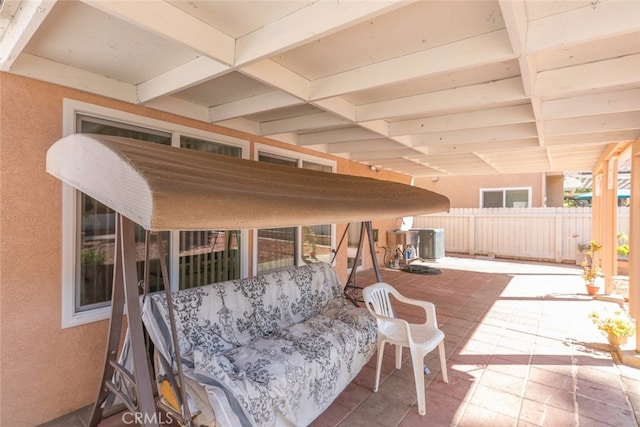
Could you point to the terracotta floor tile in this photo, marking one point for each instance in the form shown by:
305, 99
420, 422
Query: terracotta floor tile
478, 416
452, 330
495, 400
516, 365
442, 410
551, 379
478, 344
381, 408
550, 396
503, 382
460, 385
397, 388
606, 375
612, 395
541, 414
353, 395
590, 410
333, 416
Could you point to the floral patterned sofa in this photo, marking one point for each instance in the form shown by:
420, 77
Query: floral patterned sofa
271, 350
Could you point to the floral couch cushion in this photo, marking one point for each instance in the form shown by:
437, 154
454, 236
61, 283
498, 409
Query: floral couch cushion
270, 350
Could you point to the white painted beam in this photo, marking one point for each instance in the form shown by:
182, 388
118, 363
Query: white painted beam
499, 93
468, 120
318, 19
292, 138
179, 78
365, 145
480, 147
275, 75
162, 18
341, 135
255, 104
377, 126
474, 51
612, 73
593, 138
338, 106
467, 136
180, 107
26, 21
588, 105
371, 156
64, 75
597, 123
322, 17
594, 21
307, 122
515, 19
453, 162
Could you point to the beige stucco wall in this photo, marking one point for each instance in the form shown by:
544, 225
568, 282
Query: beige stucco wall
47, 371
555, 191
464, 191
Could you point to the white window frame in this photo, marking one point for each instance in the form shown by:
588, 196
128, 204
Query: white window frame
504, 194
299, 157
70, 109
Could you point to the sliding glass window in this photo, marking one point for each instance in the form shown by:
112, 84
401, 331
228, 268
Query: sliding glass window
96, 228
209, 256
279, 248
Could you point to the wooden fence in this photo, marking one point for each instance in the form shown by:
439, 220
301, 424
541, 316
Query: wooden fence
549, 234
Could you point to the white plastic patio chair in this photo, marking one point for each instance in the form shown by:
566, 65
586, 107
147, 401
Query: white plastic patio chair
421, 339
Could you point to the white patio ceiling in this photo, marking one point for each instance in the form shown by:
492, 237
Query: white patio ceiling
419, 87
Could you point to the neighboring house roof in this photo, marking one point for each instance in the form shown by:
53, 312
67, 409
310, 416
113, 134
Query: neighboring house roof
585, 181
622, 194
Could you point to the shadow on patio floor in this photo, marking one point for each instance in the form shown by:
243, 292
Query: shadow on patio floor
521, 351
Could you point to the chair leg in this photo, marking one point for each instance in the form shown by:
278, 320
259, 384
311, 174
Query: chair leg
417, 360
379, 364
398, 356
443, 362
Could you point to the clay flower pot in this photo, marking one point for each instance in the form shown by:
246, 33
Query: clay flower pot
616, 341
592, 289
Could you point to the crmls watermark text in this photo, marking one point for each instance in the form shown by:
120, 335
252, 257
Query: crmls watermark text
140, 418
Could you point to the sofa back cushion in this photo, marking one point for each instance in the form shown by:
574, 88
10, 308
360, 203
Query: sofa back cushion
225, 315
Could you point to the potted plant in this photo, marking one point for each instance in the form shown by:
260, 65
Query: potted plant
623, 245
590, 269
616, 325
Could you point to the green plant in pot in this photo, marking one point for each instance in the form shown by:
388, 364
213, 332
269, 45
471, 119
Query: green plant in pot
617, 325
623, 244
590, 268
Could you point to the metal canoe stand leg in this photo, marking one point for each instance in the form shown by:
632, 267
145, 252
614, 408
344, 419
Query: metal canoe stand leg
137, 395
352, 291
182, 393
372, 249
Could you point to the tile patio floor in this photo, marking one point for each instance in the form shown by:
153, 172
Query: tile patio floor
521, 352
520, 348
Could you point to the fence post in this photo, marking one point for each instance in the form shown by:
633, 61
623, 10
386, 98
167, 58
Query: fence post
472, 234
559, 237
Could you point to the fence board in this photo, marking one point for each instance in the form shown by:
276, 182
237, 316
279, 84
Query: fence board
550, 234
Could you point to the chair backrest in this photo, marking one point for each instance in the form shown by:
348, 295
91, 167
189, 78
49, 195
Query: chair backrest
376, 298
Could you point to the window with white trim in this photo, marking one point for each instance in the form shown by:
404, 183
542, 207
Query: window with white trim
96, 228
194, 258
516, 197
278, 248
